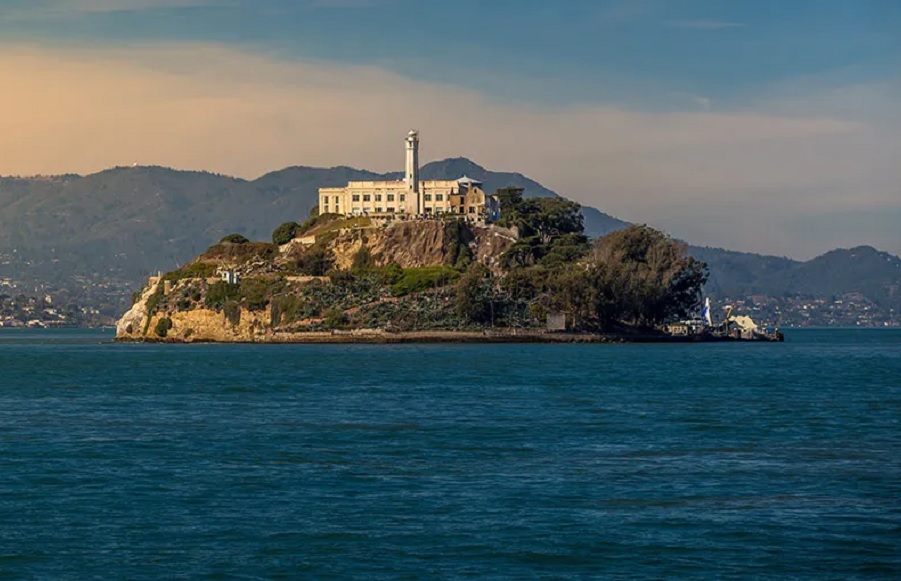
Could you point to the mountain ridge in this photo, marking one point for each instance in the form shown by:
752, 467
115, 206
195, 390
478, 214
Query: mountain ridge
124, 223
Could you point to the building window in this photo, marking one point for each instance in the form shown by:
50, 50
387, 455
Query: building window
472, 210
366, 197
428, 210
356, 197
390, 209
427, 197
337, 199
390, 197
403, 198
378, 197
439, 197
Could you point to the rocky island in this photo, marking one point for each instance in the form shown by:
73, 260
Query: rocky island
530, 276
424, 260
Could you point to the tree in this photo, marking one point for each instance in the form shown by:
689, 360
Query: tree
284, 233
473, 300
548, 218
316, 261
509, 199
644, 276
234, 239
363, 261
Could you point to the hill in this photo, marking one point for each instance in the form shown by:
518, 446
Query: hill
124, 223
99, 236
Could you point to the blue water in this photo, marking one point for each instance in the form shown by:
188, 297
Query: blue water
457, 461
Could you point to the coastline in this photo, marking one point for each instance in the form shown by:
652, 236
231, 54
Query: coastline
377, 337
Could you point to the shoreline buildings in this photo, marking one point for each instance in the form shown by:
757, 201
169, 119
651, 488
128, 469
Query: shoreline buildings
411, 197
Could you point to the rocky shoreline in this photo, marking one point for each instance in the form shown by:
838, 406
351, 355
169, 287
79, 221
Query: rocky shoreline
378, 337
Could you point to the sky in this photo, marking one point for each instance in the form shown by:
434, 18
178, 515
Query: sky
756, 125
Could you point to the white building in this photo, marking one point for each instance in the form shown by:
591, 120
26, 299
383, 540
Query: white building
411, 196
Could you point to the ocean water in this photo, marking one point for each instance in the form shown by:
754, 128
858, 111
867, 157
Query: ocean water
450, 461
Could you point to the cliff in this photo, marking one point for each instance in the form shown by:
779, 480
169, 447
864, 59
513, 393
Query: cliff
338, 278
382, 277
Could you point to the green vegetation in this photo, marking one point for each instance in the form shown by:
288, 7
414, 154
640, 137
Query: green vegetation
459, 253
317, 260
192, 270
162, 326
231, 252
415, 280
218, 293
234, 239
362, 262
284, 233
475, 296
317, 220
335, 319
232, 312
637, 276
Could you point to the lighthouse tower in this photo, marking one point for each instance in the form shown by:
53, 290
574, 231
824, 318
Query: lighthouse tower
411, 174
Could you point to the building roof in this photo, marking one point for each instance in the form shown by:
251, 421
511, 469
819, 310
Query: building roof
469, 181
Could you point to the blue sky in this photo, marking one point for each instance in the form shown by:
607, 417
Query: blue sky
705, 116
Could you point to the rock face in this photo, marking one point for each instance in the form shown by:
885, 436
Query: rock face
131, 325
427, 243
184, 306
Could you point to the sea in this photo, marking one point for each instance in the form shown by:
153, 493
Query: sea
766, 460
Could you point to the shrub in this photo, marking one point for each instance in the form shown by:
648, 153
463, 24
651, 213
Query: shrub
285, 309
284, 233
459, 254
234, 239
362, 261
218, 293
193, 270
335, 319
232, 311
341, 278
316, 261
162, 326
419, 279
256, 292
473, 301
390, 273
240, 252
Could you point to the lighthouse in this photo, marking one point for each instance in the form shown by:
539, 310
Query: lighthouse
411, 174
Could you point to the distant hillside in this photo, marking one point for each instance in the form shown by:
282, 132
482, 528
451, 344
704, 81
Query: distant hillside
111, 229
129, 222
865, 270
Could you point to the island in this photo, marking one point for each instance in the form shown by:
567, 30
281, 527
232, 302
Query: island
430, 260
531, 275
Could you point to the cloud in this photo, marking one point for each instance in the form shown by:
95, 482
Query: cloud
40, 9
734, 179
346, 3
135, 5
704, 24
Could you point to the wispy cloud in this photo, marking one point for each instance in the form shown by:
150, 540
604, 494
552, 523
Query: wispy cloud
704, 24
60, 8
346, 3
